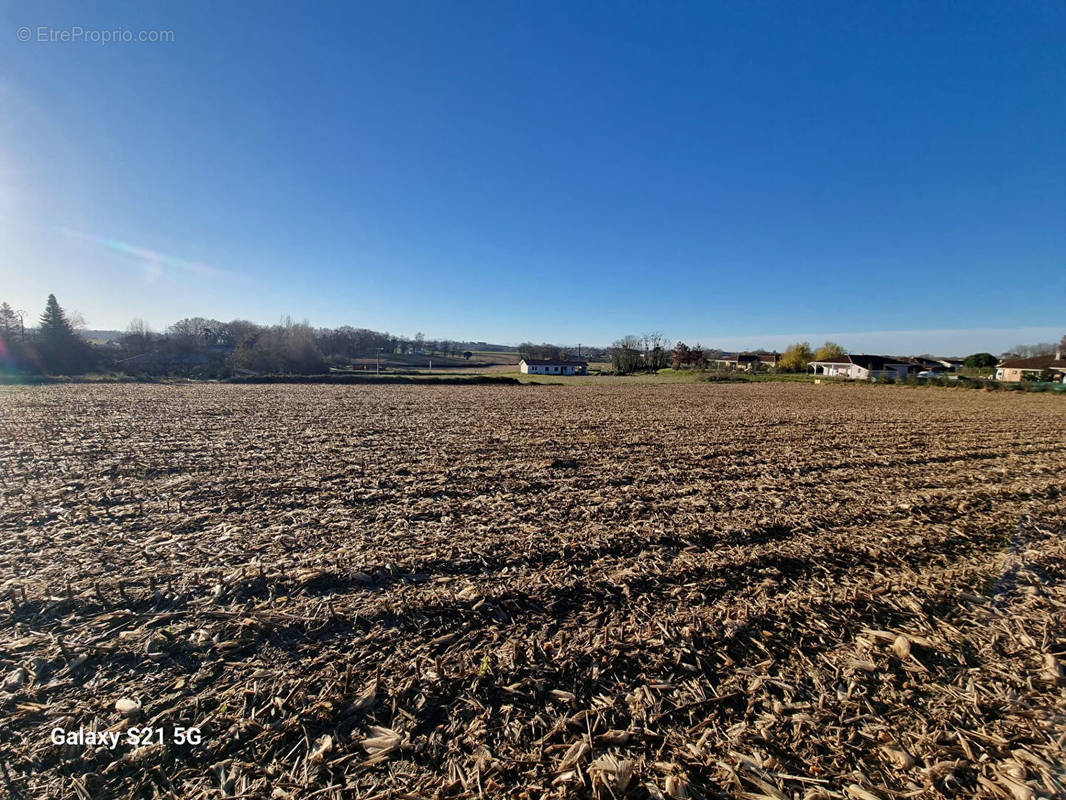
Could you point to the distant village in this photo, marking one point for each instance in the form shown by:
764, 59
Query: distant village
832, 362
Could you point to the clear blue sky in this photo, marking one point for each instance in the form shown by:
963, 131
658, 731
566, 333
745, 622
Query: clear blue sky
732, 172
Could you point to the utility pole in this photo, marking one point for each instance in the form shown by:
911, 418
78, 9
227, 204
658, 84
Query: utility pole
377, 362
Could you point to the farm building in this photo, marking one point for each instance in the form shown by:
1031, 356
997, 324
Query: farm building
862, 367
1016, 369
749, 362
550, 366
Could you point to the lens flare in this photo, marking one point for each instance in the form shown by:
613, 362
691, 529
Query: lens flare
14, 369
143, 253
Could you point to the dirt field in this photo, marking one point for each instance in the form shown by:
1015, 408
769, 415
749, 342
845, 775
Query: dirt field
761, 591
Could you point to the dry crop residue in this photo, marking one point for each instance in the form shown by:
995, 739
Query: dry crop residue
763, 591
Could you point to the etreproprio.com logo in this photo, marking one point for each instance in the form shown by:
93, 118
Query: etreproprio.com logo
46, 34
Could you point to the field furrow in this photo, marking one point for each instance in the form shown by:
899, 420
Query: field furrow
761, 591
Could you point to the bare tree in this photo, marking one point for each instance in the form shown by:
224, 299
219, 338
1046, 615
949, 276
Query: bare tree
138, 336
625, 355
77, 320
9, 321
1033, 350
656, 354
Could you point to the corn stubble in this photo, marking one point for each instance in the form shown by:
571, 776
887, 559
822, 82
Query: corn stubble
757, 591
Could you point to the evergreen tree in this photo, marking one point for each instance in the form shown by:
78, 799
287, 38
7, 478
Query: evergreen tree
54, 327
980, 360
61, 350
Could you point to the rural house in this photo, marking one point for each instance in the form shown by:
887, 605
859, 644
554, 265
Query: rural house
862, 367
551, 366
928, 364
1016, 369
924, 364
749, 362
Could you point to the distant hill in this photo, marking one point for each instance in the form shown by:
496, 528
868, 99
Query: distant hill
100, 336
486, 347
486, 350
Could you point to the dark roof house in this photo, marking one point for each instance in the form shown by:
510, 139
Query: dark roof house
924, 363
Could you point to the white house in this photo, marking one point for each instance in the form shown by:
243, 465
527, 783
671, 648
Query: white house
550, 366
861, 367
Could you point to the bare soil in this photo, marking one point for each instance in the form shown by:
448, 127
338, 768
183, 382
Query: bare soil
761, 591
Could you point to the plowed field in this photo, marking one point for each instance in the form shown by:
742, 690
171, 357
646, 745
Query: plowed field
770, 590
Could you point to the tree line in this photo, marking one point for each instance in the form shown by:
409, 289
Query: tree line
557, 352
1034, 350
652, 352
197, 347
